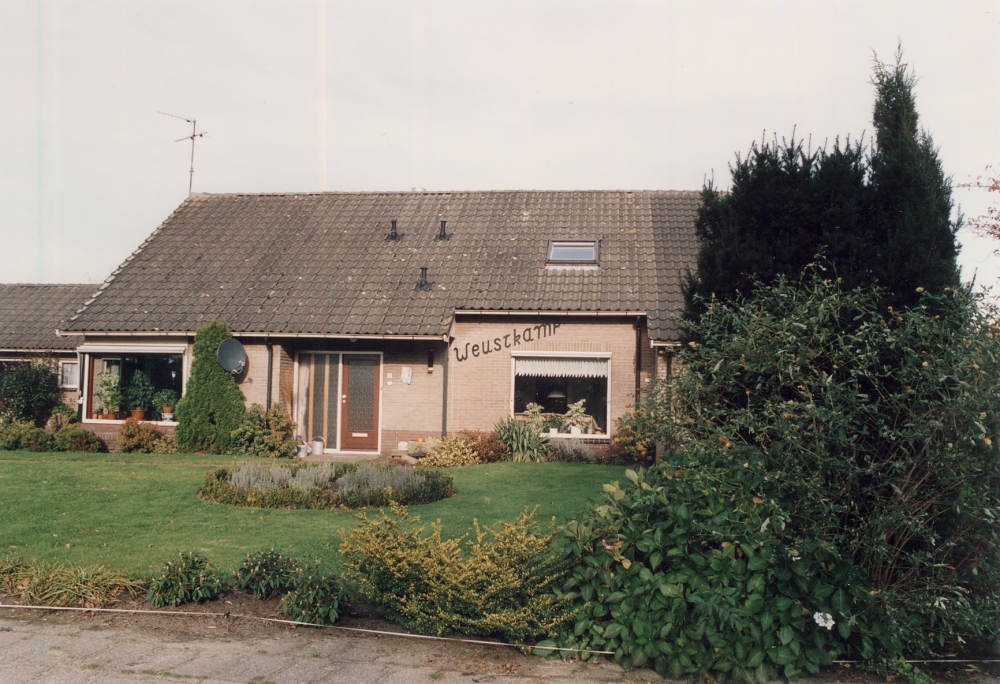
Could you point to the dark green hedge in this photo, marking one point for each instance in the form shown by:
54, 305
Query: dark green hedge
436, 486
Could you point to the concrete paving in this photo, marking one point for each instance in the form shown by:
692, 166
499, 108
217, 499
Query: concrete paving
37, 651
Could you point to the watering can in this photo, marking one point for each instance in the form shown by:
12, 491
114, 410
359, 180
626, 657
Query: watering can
318, 445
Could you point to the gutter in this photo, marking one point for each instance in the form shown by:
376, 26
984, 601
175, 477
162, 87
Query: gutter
586, 314
188, 333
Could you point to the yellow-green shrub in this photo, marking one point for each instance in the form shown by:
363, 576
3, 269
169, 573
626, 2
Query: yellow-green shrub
502, 584
450, 451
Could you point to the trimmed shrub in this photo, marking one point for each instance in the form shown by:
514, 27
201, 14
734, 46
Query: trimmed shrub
78, 438
314, 597
265, 434
522, 439
11, 432
29, 389
266, 574
487, 445
254, 487
450, 452
212, 407
137, 437
38, 439
191, 578
500, 587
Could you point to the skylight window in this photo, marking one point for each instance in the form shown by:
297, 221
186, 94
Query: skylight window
573, 251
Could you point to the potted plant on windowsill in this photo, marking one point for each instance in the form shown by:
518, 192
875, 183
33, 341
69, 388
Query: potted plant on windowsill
553, 423
107, 396
140, 395
577, 418
166, 399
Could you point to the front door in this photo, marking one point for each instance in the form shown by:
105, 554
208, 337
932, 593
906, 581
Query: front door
359, 402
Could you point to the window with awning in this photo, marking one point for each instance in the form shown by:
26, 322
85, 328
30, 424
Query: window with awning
556, 382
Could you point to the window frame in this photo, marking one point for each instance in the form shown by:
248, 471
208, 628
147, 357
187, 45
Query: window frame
87, 353
76, 374
559, 242
607, 356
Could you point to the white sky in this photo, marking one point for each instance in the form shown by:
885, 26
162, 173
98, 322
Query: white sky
308, 95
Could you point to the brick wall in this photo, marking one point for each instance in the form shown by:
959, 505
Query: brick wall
481, 382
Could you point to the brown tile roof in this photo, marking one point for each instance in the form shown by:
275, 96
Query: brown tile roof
30, 314
320, 263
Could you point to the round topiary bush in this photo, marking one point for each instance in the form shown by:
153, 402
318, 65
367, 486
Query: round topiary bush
78, 438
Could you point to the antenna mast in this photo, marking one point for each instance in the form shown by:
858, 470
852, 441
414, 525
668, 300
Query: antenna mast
194, 134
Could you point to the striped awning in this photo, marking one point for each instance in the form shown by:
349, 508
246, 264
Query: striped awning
560, 368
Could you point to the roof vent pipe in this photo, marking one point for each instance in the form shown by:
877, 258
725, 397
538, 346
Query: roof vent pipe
422, 284
441, 234
393, 235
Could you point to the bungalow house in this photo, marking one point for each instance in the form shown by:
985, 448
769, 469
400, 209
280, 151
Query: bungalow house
29, 316
389, 316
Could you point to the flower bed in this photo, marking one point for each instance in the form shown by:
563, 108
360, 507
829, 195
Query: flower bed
341, 485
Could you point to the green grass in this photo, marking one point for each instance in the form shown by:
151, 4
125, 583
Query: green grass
134, 512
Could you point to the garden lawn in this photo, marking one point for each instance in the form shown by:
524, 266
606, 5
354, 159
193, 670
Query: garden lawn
134, 512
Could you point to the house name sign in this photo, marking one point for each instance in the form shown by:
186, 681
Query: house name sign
517, 337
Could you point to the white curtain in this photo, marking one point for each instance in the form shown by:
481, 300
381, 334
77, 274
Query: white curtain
561, 368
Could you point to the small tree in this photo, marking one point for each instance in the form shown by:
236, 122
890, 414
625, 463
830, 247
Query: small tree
29, 389
212, 406
987, 225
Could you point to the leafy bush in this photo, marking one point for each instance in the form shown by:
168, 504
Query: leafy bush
255, 487
266, 574
430, 587
570, 451
313, 597
450, 452
487, 445
265, 434
192, 578
213, 404
522, 440
137, 437
11, 432
38, 439
879, 430
165, 445
635, 439
78, 438
29, 389
44, 583
692, 573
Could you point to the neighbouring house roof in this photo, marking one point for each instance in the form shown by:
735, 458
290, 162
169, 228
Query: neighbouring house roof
321, 264
30, 314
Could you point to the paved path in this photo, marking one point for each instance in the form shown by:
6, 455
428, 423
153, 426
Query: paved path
38, 650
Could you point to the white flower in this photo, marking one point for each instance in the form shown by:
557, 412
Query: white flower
824, 620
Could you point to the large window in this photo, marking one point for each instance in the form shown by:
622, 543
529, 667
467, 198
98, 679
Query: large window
556, 383
164, 371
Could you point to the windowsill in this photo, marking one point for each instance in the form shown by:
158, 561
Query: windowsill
583, 435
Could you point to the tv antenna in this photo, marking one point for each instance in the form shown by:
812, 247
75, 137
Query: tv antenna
194, 134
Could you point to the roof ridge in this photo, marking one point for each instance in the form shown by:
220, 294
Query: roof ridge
321, 193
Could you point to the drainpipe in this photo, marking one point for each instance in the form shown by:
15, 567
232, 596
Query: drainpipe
270, 368
638, 358
444, 394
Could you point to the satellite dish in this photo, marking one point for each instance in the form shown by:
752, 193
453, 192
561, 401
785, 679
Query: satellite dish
232, 356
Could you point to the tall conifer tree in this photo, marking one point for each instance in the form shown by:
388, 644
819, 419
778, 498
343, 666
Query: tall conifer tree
912, 206
881, 220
